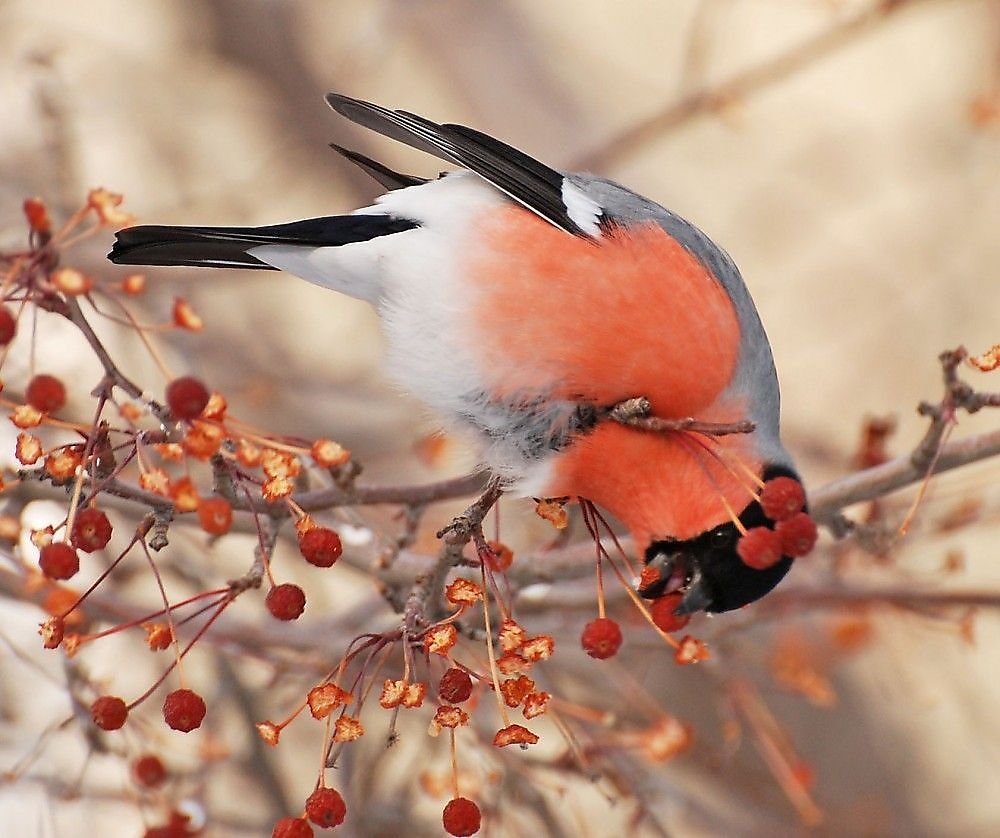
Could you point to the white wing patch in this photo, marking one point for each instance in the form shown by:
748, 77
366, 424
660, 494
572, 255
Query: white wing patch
583, 210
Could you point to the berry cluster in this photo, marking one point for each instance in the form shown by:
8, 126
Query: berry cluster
794, 533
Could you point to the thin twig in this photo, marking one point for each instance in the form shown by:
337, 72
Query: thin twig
738, 86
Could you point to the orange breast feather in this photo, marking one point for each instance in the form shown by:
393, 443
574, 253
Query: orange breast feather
632, 315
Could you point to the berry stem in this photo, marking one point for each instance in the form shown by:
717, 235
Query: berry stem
491, 652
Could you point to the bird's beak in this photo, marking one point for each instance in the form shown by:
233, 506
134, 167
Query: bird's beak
667, 575
695, 598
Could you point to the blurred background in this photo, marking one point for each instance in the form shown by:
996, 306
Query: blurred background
845, 152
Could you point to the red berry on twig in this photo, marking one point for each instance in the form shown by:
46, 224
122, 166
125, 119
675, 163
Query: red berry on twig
187, 397
461, 817
91, 530
320, 546
45, 393
782, 497
759, 548
601, 638
184, 710
662, 612
109, 712
292, 828
797, 534
455, 686
325, 807
58, 560
286, 602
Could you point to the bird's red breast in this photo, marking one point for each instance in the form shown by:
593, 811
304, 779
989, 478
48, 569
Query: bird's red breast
634, 314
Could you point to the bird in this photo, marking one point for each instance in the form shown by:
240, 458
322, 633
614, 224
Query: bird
526, 305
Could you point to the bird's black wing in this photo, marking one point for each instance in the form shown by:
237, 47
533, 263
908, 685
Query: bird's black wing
526, 180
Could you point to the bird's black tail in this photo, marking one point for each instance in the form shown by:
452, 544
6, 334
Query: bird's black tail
226, 247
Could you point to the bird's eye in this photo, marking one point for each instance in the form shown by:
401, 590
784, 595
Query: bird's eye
721, 537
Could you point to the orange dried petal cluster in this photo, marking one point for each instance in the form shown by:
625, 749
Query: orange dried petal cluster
347, 729
158, 636
281, 470
514, 735
28, 449
512, 635
514, 690
134, 284
553, 510
202, 439
447, 716
155, 480
105, 203
71, 282
185, 316
25, 416
62, 463
328, 454
988, 361
463, 592
538, 648
269, 732
400, 693
691, 650
248, 454
52, 631
440, 640
535, 704
666, 738
326, 698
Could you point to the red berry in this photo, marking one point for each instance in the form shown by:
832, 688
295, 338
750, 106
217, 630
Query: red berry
109, 712
292, 828
320, 546
215, 515
325, 808
662, 612
461, 817
46, 393
8, 326
91, 530
455, 686
782, 497
148, 771
184, 710
187, 397
798, 535
58, 560
601, 638
759, 548
286, 602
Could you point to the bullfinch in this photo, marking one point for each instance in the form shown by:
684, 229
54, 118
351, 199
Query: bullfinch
525, 304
